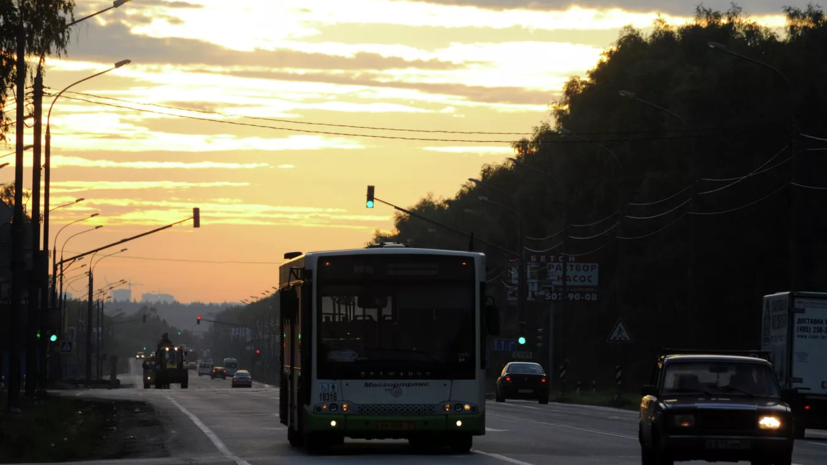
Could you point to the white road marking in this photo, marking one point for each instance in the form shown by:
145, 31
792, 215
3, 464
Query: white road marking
559, 425
215, 440
276, 429
521, 406
500, 457
495, 430
80, 393
818, 443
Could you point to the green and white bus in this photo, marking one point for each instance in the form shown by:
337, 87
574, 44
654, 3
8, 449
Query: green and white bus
384, 342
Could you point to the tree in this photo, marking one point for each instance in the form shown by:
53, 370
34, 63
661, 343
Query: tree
7, 194
46, 35
634, 210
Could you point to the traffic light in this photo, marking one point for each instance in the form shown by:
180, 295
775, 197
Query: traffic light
370, 202
258, 352
38, 334
198, 320
53, 337
539, 337
196, 217
521, 339
179, 333
144, 348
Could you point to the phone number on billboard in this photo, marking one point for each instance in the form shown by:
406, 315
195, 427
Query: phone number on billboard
572, 296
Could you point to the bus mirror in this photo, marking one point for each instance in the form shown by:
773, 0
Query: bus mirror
289, 301
492, 314
372, 301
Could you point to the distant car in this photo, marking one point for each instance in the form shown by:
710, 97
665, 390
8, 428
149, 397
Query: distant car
218, 372
715, 407
242, 378
205, 368
192, 366
140, 355
522, 380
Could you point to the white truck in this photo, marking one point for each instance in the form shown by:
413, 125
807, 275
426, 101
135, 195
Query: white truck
794, 331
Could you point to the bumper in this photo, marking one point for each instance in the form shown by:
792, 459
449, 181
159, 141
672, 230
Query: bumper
749, 448
524, 392
368, 427
242, 384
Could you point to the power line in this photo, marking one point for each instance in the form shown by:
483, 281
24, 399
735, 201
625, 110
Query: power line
742, 206
748, 175
596, 235
813, 137
815, 188
589, 252
216, 262
659, 215
557, 140
661, 200
545, 238
744, 177
546, 250
596, 222
651, 233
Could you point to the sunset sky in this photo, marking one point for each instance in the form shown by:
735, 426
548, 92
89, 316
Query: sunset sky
440, 65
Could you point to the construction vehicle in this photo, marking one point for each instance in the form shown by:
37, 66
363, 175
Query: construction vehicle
170, 365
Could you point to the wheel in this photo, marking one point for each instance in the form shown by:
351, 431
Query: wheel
647, 456
316, 443
293, 437
500, 397
146, 385
800, 432
461, 444
185, 384
543, 399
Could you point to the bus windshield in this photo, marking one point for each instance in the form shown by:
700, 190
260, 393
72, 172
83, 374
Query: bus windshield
397, 329
230, 363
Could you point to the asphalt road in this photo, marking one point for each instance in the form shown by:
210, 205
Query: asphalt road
212, 423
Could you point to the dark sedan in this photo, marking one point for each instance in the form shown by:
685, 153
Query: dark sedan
522, 380
218, 372
242, 378
715, 407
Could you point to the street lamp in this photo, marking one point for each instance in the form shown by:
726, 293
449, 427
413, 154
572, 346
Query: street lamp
12, 153
91, 273
48, 163
54, 254
68, 204
4, 165
632, 96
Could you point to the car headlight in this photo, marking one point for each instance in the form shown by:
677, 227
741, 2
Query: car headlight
683, 421
769, 423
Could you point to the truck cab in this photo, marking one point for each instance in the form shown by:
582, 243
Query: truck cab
170, 367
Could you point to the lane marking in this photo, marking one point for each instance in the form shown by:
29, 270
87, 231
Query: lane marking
495, 430
521, 406
817, 443
215, 440
500, 457
559, 425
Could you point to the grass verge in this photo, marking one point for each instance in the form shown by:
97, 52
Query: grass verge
62, 429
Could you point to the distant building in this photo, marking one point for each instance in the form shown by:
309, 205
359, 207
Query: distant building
68, 295
157, 298
122, 295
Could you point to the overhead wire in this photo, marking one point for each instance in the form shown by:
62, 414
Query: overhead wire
544, 250
815, 188
545, 238
744, 177
557, 140
596, 222
742, 206
596, 235
589, 252
646, 204
813, 137
658, 215
651, 233
748, 175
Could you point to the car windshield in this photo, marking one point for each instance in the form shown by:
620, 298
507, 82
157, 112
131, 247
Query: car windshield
525, 369
732, 378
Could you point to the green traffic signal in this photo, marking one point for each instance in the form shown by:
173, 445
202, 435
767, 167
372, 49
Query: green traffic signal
370, 204
521, 340
38, 334
53, 337
179, 333
144, 348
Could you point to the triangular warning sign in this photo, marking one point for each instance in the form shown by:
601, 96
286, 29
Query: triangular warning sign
619, 333
66, 346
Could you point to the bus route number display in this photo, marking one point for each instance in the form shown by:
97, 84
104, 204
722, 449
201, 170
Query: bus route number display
328, 392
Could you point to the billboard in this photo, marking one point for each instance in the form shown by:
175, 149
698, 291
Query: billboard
545, 278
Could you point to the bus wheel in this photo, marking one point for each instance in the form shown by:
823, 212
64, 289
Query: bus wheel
461, 444
293, 437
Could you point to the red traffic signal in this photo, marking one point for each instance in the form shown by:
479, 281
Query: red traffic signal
198, 319
258, 351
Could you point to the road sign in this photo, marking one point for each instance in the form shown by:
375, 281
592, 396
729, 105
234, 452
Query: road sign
522, 355
505, 345
620, 333
66, 347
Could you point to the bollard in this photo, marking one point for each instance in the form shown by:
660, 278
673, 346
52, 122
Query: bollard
562, 374
618, 376
594, 387
578, 386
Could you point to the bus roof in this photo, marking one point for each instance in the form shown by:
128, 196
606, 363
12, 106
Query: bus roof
308, 260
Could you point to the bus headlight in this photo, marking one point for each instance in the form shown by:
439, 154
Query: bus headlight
447, 407
459, 423
769, 423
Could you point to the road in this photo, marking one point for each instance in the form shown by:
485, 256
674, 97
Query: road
212, 423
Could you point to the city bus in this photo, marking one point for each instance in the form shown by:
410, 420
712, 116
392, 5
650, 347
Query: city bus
230, 366
386, 342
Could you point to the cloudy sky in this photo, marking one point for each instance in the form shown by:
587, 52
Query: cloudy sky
240, 109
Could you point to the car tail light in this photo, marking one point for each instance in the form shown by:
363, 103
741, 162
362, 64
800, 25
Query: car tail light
543, 380
235, 379
507, 378
806, 407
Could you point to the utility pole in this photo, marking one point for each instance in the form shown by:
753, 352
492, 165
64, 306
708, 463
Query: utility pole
18, 231
89, 328
38, 297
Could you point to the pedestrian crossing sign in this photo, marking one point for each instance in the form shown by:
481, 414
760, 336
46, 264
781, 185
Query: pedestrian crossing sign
619, 333
66, 347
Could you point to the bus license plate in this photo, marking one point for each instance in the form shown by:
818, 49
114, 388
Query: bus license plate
525, 391
727, 444
396, 425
